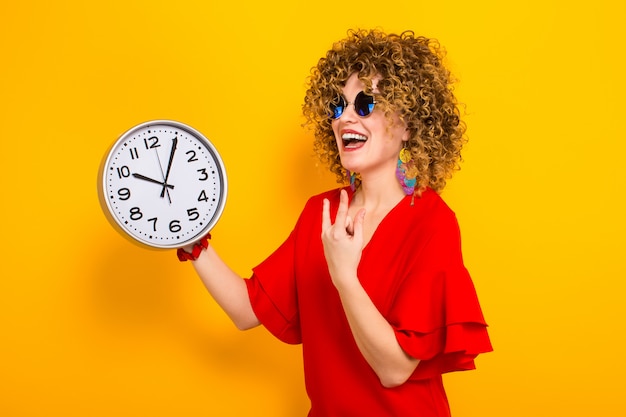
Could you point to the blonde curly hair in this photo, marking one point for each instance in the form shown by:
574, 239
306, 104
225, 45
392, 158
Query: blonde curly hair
413, 82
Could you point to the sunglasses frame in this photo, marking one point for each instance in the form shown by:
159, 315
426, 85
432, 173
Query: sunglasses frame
343, 104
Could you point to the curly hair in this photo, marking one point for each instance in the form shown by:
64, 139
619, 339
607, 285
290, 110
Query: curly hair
413, 82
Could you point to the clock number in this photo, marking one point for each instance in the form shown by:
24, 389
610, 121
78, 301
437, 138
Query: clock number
192, 158
135, 213
202, 196
175, 226
124, 194
153, 220
204, 176
134, 153
123, 171
193, 214
154, 142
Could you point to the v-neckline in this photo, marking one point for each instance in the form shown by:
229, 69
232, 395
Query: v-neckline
383, 220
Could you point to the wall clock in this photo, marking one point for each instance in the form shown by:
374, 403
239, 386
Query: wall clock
163, 184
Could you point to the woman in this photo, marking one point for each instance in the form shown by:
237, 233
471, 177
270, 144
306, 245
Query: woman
371, 280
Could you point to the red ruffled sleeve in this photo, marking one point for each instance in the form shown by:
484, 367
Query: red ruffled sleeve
445, 337
436, 314
273, 295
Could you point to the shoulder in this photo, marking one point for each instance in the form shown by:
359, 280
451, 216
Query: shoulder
430, 228
313, 208
431, 208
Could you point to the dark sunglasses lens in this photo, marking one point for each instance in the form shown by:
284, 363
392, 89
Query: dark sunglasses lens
337, 107
364, 104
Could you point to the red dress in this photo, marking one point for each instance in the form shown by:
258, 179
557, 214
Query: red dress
413, 271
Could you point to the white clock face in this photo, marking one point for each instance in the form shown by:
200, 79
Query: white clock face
164, 184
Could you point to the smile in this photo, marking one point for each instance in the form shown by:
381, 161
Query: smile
353, 140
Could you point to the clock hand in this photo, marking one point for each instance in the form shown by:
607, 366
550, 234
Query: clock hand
169, 165
162, 174
143, 177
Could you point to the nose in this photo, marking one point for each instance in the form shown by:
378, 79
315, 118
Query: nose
349, 112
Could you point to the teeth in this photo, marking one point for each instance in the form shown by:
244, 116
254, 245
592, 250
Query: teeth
353, 136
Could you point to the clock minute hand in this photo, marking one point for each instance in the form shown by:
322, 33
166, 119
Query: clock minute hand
143, 177
169, 165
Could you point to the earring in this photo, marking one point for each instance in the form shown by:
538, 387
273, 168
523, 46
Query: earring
352, 179
406, 171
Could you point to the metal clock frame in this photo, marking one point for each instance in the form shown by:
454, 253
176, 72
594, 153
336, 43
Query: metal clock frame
105, 201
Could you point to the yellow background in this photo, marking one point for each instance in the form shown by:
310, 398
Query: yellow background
91, 324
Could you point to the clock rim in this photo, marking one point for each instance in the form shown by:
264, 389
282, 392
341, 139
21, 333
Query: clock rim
106, 205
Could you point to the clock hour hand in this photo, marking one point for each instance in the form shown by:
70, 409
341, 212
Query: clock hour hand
143, 177
169, 165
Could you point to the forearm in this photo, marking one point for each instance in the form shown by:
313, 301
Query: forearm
375, 337
227, 288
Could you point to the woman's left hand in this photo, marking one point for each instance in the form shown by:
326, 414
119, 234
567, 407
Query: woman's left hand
343, 241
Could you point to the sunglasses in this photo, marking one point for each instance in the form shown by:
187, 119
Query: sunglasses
363, 105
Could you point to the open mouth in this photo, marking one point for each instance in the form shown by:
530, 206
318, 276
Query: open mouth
353, 140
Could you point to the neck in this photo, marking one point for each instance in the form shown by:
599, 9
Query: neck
378, 191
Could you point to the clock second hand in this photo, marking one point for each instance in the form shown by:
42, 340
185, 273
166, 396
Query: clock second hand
163, 175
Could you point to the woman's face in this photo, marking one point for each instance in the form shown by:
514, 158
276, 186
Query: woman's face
370, 144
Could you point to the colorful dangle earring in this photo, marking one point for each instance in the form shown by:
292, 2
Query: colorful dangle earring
406, 172
352, 179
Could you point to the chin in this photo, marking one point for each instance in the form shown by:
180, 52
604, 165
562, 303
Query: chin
350, 165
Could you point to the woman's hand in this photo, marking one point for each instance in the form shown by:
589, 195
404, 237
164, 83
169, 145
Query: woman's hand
343, 246
343, 241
